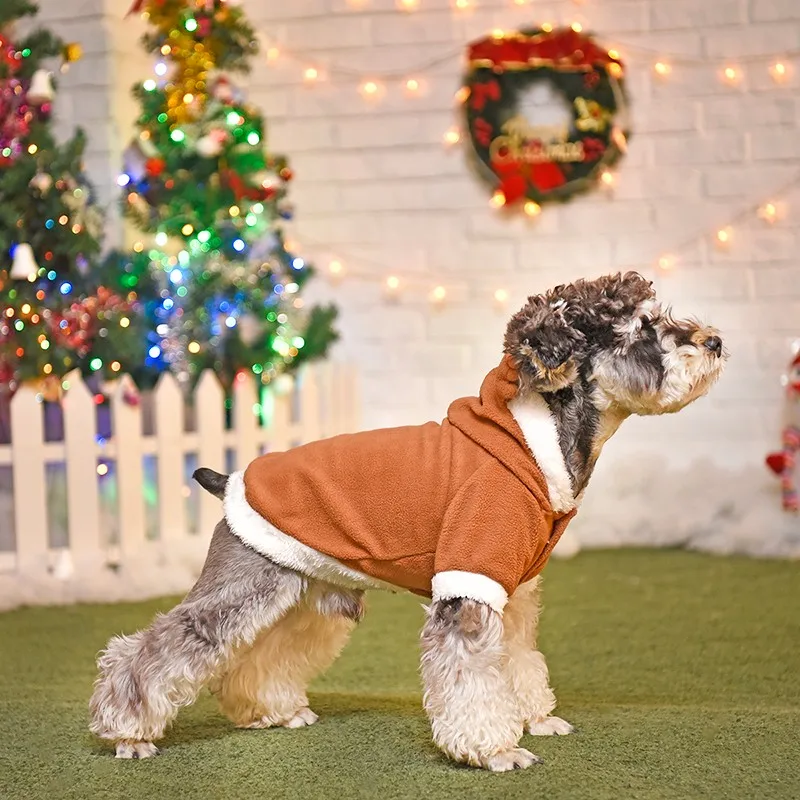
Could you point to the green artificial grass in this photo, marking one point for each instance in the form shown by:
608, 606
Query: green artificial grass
680, 671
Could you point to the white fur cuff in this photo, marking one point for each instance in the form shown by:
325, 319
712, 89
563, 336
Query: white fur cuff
454, 583
263, 537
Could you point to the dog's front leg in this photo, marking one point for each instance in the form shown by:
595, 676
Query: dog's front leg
527, 669
473, 712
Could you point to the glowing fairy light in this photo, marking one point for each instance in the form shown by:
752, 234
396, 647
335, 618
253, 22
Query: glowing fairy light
498, 199
778, 71
370, 89
768, 212
532, 208
731, 75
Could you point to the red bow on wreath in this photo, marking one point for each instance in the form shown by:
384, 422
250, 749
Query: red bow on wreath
482, 93
516, 176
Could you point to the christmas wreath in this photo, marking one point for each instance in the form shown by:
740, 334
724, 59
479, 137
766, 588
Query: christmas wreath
529, 161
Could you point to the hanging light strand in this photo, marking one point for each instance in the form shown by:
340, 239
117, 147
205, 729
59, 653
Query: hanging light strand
662, 62
438, 291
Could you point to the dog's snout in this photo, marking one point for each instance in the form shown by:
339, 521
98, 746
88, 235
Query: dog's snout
714, 344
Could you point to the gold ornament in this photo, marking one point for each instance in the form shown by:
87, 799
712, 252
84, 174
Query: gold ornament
73, 52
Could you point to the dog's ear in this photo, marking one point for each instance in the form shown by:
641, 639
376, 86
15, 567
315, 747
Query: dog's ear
544, 346
625, 292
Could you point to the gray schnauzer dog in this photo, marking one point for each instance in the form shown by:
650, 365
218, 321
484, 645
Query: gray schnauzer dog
274, 607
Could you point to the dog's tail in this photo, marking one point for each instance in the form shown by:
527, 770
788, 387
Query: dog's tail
213, 482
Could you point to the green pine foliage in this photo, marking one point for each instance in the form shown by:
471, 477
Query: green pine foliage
56, 314
223, 290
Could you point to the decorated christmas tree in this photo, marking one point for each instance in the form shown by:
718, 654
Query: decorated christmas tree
219, 285
56, 312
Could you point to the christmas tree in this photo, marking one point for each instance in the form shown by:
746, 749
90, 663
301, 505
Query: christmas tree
219, 285
56, 312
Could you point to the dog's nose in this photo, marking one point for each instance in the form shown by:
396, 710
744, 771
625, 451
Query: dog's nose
714, 344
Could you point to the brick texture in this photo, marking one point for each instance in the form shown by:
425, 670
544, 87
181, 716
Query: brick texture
377, 188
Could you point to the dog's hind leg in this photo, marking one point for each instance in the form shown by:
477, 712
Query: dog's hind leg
474, 714
265, 685
145, 678
527, 670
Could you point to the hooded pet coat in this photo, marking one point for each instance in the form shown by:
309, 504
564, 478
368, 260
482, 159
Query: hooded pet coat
457, 509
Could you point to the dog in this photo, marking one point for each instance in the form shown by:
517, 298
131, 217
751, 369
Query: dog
283, 583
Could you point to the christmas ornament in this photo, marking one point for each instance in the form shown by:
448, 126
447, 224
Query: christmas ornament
15, 114
24, 266
243, 190
523, 159
155, 166
784, 462
78, 326
222, 90
41, 89
271, 182
211, 145
72, 52
41, 182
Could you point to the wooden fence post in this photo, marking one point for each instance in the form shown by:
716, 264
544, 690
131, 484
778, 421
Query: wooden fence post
127, 421
169, 411
209, 407
245, 422
30, 494
83, 501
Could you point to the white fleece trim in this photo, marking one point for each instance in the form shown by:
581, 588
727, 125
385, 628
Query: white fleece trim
263, 537
541, 435
472, 585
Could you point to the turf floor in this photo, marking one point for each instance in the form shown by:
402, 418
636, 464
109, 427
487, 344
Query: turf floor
680, 671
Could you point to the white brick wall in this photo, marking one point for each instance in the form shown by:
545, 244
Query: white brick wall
376, 188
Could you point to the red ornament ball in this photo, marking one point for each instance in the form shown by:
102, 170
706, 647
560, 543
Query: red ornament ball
155, 166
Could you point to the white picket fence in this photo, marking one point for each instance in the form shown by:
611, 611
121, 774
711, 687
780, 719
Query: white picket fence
94, 517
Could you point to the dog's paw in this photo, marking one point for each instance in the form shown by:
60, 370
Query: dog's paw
550, 726
130, 749
303, 718
518, 758
300, 719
